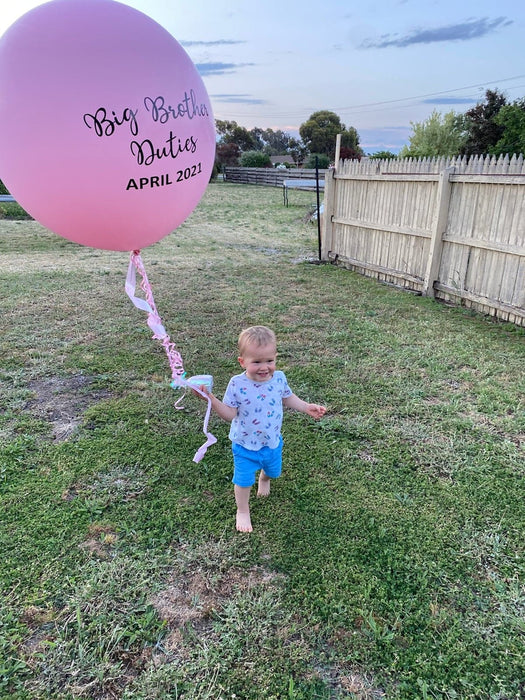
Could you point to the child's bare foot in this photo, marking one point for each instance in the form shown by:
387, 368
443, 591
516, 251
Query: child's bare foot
243, 522
263, 488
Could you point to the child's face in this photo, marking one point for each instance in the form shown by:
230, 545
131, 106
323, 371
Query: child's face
259, 361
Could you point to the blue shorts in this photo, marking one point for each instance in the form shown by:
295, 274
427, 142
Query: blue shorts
247, 462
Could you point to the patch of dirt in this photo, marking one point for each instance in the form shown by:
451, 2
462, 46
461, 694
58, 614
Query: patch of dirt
194, 597
361, 687
346, 677
40, 622
101, 540
367, 456
190, 599
62, 402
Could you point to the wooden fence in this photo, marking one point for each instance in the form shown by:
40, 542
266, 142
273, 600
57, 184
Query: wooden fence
271, 177
451, 228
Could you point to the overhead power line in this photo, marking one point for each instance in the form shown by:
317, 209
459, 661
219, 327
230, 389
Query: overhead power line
431, 94
375, 106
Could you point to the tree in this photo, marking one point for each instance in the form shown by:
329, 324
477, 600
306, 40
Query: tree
483, 131
323, 161
255, 159
320, 130
512, 118
382, 155
297, 150
257, 136
231, 132
276, 142
439, 135
350, 143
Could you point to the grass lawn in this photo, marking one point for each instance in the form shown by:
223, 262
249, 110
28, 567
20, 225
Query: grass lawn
388, 561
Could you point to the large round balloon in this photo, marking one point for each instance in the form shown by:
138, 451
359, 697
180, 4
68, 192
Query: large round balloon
106, 130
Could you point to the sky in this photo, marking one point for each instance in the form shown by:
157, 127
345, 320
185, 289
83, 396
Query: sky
379, 65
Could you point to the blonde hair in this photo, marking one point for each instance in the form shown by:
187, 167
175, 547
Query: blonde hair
256, 335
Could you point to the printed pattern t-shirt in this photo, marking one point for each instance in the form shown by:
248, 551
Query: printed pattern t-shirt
260, 410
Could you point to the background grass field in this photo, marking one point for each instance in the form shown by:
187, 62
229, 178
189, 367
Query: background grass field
388, 561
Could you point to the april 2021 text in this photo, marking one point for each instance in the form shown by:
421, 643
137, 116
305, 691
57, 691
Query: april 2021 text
165, 179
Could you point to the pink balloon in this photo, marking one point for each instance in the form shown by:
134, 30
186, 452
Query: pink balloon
107, 134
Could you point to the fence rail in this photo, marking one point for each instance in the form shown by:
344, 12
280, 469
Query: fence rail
271, 177
452, 228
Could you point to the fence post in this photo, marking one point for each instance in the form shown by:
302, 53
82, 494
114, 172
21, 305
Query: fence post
439, 226
328, 213
337, 150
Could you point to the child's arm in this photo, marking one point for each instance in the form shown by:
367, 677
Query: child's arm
297, 404
224, 411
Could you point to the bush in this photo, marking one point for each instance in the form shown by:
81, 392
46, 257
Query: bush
227, 154
255, 159
349, 154
3, 188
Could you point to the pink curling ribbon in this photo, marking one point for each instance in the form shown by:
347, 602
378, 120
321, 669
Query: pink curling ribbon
159, 333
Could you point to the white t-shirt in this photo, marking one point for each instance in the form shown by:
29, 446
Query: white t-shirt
260, 410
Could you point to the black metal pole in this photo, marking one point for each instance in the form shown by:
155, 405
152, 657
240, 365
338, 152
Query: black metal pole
318, 206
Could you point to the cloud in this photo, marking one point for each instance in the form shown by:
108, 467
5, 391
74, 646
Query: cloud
218, 42
219, 68
239, 99
465, 31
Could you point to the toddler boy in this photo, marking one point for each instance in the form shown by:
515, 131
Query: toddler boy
253, 403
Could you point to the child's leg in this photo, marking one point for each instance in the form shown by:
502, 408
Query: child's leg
244, 467
242, 498
272, 459
263, 488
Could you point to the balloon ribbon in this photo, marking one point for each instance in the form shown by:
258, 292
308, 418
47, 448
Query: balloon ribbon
159, 333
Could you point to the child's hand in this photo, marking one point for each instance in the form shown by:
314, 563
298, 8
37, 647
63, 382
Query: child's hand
315, 411
204, 389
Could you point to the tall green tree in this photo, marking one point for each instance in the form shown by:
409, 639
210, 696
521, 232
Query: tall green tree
258, 139
512, 118
276, 142
320, 130
483, 130
231, 132
297, 150
439, 135
350, 142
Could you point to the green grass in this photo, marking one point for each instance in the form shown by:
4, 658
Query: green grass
388, 560
12, 210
